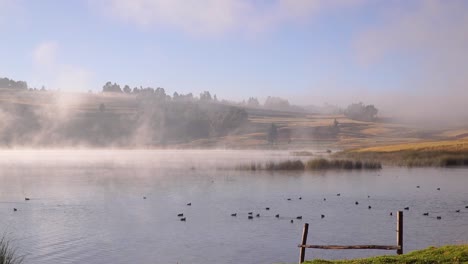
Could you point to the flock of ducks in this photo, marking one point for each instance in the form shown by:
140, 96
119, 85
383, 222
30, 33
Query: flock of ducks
427, 213
250, 215
181, 215
26, 199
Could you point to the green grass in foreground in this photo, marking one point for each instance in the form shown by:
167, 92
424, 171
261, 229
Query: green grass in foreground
431, 255
8, 254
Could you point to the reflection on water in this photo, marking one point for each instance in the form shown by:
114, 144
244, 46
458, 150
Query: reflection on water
88, 206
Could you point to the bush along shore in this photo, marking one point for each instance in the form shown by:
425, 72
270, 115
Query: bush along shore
446, 254
411, 158
8, 254
313, 164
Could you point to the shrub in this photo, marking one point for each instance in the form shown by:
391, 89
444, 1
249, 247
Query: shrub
358, 165
317, 164
7, 254
285, 165
313, 164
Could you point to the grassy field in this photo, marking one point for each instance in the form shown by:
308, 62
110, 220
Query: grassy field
432, 255
447, 145
430, 153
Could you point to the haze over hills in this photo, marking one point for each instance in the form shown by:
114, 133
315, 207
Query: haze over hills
148, 117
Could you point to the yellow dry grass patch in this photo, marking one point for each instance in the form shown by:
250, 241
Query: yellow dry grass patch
376, 130
454, 133
449, 145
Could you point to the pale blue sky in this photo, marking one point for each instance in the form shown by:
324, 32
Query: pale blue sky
304, 50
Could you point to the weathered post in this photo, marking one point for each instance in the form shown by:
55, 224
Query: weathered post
303, 243
399, 232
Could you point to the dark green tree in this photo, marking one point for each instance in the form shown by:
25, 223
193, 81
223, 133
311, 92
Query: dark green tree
127, 89
361, 112
272, 135
205, 96
253, 102
109, 87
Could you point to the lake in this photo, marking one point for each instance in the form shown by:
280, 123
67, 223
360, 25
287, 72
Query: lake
88, 206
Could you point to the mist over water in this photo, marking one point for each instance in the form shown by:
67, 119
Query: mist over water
139, 158
85, 208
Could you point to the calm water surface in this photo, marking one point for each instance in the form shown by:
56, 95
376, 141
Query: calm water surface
88, 206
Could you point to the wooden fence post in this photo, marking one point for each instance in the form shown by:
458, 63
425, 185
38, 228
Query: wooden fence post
400, 232
304, 242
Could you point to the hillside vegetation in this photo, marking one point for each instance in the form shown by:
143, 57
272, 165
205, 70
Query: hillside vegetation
147, 117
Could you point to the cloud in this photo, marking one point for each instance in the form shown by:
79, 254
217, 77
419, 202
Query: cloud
216, 16
45, 54
432, 35
437, 29
7, 8
58, 75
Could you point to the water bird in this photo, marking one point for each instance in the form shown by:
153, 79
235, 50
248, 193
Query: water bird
439, 217
466, 206
250, 213
426, 214
369, 207
457, 211
258, 215
179, 215
299, 217
300, 198
277, 216
14, 209
322, 216
235, 214
289, 199
368, 196
292, 221
418, 186
356, 203
26, 199
338, 194
250, 217
182, 219
189, 204
438, 189
406, 208
144, 197
324, 199
268, 208
391, 213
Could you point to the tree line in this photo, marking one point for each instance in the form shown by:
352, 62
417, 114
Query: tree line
6, 83
271, 102
12, 84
